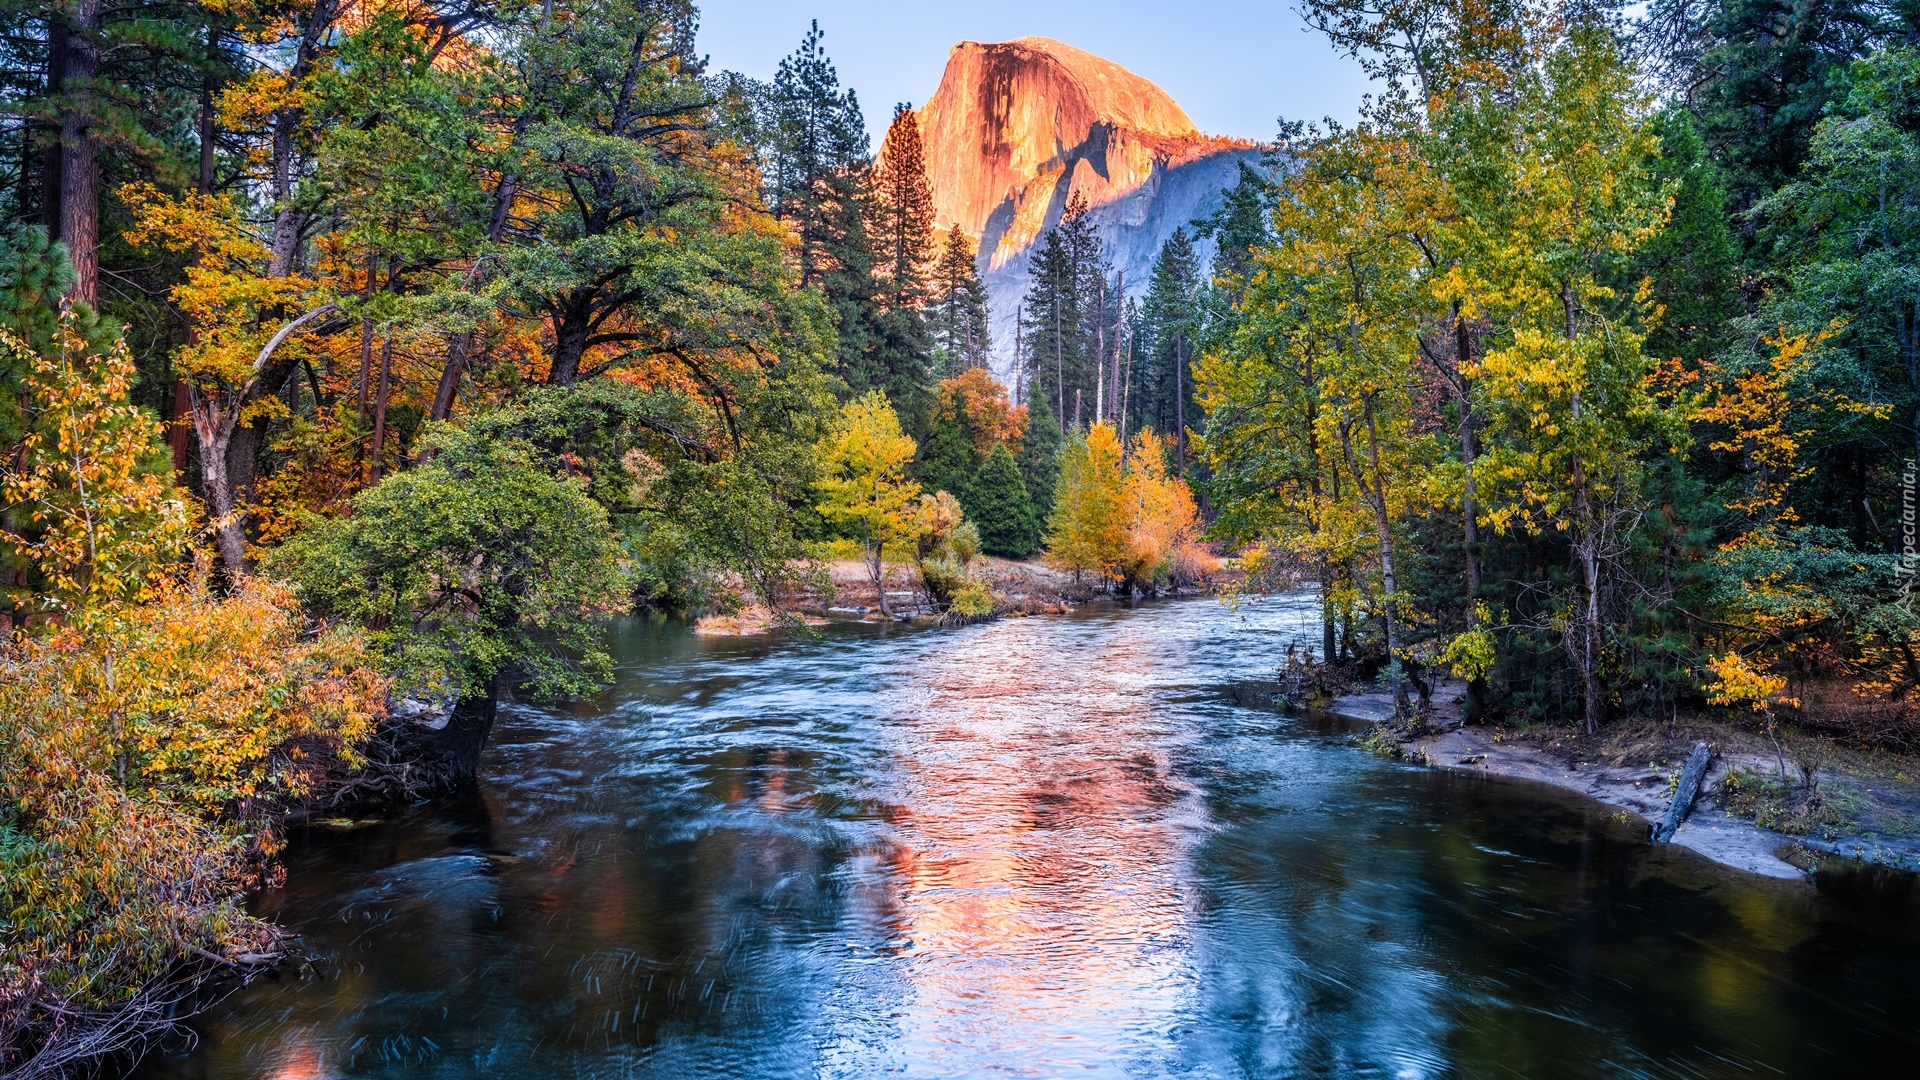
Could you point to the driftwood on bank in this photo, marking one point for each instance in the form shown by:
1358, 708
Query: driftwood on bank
1683, 797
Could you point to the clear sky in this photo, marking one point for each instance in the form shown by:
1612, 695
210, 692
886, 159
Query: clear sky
1233, 65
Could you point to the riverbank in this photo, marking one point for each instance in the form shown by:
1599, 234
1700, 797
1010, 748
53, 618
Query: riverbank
1019, 587
1834, 801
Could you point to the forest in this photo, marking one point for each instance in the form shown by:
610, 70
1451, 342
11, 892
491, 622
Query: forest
363, 359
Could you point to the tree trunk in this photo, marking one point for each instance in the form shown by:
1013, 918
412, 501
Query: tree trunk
229, 536
380, 408
454, 750
1590, 632
569, 347
1376, 494
180, 430
1327, 643
458, 347
877, 568
79, 191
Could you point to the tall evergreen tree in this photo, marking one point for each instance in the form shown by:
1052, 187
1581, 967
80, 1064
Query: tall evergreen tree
1039, 460
1239, 226
959, 308
1070, 316
1164, 388
817, 162
1765, 76
903, 213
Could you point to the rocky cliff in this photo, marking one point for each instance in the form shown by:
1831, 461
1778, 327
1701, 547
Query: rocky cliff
1016, 128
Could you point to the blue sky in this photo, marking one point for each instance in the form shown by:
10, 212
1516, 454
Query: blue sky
1233, 66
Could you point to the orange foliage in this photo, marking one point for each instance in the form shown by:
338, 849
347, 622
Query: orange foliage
993, 418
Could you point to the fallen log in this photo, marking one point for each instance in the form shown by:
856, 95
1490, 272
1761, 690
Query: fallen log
1690, 780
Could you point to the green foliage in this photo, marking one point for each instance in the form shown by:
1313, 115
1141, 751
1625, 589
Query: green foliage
958, 310
1692, 264
947, 460
996, 501
1071, 313
1167, 335
479, 564
1039, 461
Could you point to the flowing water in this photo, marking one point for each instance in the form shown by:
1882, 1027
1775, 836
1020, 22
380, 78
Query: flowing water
1050, 847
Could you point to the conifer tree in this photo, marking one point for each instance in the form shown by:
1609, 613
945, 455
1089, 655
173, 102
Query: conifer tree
1039, 461
1164, 396
947, 458
903, 213
959, 308
1239, 227
1064, 316
817, 162
996, 501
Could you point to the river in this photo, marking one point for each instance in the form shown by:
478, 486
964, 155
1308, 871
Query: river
1044, 847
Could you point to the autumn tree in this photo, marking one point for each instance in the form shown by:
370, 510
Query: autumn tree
903, 213
1087, 530
1160, 514
864, 486
98, 516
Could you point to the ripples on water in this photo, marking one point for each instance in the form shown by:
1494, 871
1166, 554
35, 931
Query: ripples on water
1035, 848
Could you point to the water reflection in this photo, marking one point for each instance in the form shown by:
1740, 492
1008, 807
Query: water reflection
1041, 847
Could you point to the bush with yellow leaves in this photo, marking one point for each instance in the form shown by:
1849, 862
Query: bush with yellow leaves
147, 750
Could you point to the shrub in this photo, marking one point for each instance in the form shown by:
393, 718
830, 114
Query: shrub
477, 563
146, 751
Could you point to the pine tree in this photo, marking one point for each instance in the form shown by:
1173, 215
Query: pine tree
1164, 391
948, 459
817, 163
1069, 319
1239, 227
959, 308
903, 213
998, 505
1039, 460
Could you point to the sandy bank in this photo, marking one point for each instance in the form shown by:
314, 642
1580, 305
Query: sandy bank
1872, 804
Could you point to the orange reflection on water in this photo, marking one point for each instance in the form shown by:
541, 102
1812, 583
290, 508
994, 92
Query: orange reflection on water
1042, 891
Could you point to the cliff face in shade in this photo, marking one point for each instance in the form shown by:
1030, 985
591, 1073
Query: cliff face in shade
1018, 127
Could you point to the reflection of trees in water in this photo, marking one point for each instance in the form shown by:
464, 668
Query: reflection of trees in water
1040, 844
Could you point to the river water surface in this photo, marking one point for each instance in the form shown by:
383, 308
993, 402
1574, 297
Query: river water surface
1048, 847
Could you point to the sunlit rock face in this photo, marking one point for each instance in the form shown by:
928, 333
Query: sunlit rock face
1017, 128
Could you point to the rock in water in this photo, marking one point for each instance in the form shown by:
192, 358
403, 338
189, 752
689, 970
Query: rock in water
1018, 127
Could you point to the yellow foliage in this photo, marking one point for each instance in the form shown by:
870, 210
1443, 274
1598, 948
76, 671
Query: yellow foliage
1737, 683
101, 519
864, 484
1124, 520
1087, 532
1160, 512
225, 292
140, 747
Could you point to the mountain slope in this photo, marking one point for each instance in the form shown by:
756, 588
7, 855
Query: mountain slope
1016, 128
